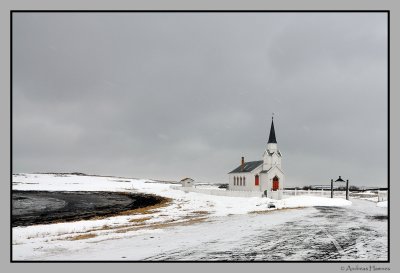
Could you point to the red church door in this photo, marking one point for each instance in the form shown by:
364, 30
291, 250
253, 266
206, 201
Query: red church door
257, 180
275, 183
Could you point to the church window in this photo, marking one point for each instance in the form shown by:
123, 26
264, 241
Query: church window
244, 181
240, 181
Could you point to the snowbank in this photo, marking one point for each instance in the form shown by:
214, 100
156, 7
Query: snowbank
382, 204
310, 201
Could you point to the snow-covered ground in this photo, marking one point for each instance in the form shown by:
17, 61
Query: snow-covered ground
186, 213
182, 202
317, 233
382, 204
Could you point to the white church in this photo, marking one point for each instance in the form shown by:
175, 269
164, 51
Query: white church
264, 175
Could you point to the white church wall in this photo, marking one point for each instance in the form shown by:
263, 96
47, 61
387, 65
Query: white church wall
267, 161
187, 184
270, 161
265, 180
276, 160
249, 179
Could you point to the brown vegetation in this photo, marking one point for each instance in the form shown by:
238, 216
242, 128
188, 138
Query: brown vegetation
147, 210
82, 237
201, 212
165, 224
139, 220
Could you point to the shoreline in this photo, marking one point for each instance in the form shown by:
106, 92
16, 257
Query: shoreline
48, 207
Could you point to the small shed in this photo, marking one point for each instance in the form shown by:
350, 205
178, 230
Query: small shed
187, 182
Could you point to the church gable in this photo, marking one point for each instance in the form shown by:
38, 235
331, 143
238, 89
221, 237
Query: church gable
272, 169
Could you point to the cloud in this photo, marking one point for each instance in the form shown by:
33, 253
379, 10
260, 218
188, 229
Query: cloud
167, 95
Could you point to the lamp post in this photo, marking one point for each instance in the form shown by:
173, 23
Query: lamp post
341, 180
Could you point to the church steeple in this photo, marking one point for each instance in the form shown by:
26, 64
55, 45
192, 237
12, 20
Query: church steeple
272, 156
272, 138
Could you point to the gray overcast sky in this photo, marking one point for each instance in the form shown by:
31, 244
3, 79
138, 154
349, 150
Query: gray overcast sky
170, 95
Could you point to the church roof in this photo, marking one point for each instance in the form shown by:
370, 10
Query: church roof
272, 138
187, 179
248, 167
265, 171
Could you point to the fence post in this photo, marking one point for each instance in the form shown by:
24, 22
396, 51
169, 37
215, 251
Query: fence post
331, 188
347, 189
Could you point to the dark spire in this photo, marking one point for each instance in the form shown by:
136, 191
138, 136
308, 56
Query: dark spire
272, 138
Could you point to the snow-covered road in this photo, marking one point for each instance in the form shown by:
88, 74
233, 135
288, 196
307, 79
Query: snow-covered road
326, 233
357, 232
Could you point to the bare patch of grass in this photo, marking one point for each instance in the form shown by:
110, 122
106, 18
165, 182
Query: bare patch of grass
104, 227
203, 212
261, 211
182, 223
139, 220
147, 210
166, 224
82, 237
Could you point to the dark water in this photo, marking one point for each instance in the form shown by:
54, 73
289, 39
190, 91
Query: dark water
43, 207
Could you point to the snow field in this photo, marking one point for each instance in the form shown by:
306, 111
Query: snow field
382, 204
184, 208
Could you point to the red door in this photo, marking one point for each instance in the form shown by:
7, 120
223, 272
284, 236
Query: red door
257, 180
275, 184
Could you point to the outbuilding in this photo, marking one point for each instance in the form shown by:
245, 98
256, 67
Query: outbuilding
187, 182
